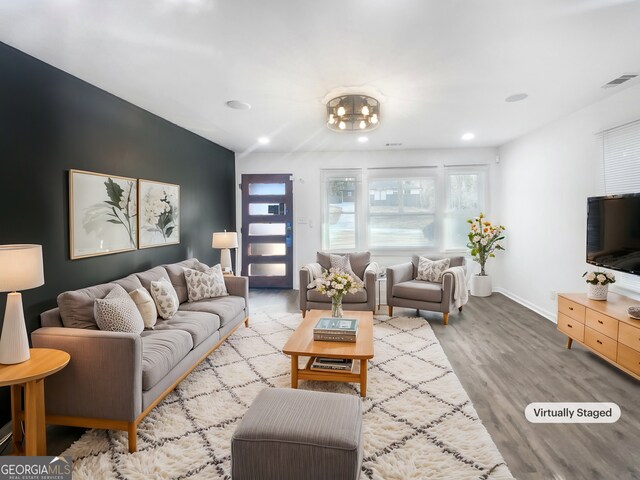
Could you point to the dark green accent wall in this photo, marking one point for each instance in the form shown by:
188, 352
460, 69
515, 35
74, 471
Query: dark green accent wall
51, 122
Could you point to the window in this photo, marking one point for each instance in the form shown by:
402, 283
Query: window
621, 172
340, 191
402, 211
465, 194
407, 209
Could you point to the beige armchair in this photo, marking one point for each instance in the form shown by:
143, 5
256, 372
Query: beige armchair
361, 265
403, 290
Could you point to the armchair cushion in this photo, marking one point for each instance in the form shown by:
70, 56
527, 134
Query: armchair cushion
359, 297
455, 261
418, 290
342, 263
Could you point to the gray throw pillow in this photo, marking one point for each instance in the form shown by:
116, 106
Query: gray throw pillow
205, 284
342, 263
117, 312
431, 271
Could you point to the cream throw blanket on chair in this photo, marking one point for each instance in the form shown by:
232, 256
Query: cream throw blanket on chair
460, 294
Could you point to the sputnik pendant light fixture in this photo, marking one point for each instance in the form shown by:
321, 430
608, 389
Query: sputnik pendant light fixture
353, 113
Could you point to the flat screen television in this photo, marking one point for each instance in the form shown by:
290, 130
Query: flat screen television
613, 232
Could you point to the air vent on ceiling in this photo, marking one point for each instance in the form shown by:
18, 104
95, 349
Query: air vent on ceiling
393, 144
620, 80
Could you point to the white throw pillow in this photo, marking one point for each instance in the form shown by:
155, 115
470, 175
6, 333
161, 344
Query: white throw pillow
146, 306
342, 263
430, 270
165, 297
207, 284
117, 312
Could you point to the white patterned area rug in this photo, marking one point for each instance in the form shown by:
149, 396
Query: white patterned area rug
418, 421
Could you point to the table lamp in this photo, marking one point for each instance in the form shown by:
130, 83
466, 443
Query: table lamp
225, 240
20, 269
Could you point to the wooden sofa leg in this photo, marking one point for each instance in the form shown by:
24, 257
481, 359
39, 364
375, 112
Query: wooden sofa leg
304, 313
391, 310
445, 318
132, 433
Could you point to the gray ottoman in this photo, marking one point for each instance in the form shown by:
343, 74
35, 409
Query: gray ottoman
298, 435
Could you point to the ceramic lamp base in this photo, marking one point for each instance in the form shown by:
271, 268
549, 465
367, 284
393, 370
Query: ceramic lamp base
14, 343
225, 259
481, 286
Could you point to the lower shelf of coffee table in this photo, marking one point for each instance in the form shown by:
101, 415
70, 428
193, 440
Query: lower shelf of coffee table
308, 373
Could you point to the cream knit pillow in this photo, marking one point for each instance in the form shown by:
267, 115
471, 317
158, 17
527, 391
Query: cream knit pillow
117, 312
146, 306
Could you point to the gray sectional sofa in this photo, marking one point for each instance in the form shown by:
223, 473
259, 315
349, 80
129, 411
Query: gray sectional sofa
115, 379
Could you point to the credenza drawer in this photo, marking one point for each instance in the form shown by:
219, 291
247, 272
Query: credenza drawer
600, 343
629, 358
571, 327
571, 309
602, 323
629, 335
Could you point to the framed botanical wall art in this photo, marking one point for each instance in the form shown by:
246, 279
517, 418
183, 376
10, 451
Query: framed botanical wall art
159, 213
103, 214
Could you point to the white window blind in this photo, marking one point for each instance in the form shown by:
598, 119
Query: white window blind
621, 170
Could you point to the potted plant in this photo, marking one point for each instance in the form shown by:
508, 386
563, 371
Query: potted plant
483, 242
598, 284
335, 284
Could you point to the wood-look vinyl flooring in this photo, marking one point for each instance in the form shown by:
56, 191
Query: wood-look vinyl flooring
507, 356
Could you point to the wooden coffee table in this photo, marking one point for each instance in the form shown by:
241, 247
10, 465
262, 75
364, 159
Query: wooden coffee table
301, 343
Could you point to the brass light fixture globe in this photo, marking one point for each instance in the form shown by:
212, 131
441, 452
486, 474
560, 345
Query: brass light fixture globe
353, 113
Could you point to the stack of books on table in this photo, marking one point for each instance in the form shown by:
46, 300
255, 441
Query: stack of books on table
336, 330
341, 364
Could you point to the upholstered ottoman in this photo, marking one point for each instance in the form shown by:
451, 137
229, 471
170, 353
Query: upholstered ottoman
298, 435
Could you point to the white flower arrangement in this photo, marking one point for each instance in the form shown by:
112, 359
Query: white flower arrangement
484, 238
599, 278
335, 284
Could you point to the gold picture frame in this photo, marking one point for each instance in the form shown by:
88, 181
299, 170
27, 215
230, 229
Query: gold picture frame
102, 214
158, 214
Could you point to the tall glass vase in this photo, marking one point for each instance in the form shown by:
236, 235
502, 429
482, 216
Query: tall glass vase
336, 307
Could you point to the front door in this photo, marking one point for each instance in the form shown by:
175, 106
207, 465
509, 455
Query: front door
267, 230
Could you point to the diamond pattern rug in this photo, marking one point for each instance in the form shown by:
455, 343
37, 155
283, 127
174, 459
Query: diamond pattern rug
418, 421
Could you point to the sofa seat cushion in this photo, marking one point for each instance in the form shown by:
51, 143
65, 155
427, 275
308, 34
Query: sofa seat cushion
199, 325
227, 308
419, 290
359, 297
161, 351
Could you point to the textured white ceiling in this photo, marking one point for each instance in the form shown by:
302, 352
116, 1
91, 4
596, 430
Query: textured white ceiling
443, 66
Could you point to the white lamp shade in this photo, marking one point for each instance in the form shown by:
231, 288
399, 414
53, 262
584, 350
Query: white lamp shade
225, 240
20, 267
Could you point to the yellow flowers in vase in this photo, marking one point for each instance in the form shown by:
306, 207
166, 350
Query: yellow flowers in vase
484, 238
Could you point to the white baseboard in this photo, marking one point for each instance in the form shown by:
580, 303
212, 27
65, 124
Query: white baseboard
540, 311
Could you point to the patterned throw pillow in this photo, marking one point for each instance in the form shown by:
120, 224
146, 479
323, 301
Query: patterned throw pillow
146, 306
431, 271
207, 284
342, 262
117, 312
165, 297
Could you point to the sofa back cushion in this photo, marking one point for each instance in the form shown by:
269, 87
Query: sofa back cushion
358, 260
152, 275
455, 261
176, 276
76, 306
129, 283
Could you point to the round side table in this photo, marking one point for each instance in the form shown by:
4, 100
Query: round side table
29, 376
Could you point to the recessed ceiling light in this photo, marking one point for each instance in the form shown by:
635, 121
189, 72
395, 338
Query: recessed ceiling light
468, 136
238, 105
264, 140
518, 97
363, 139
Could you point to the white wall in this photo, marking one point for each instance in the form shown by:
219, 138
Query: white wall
306, 166
545, 178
